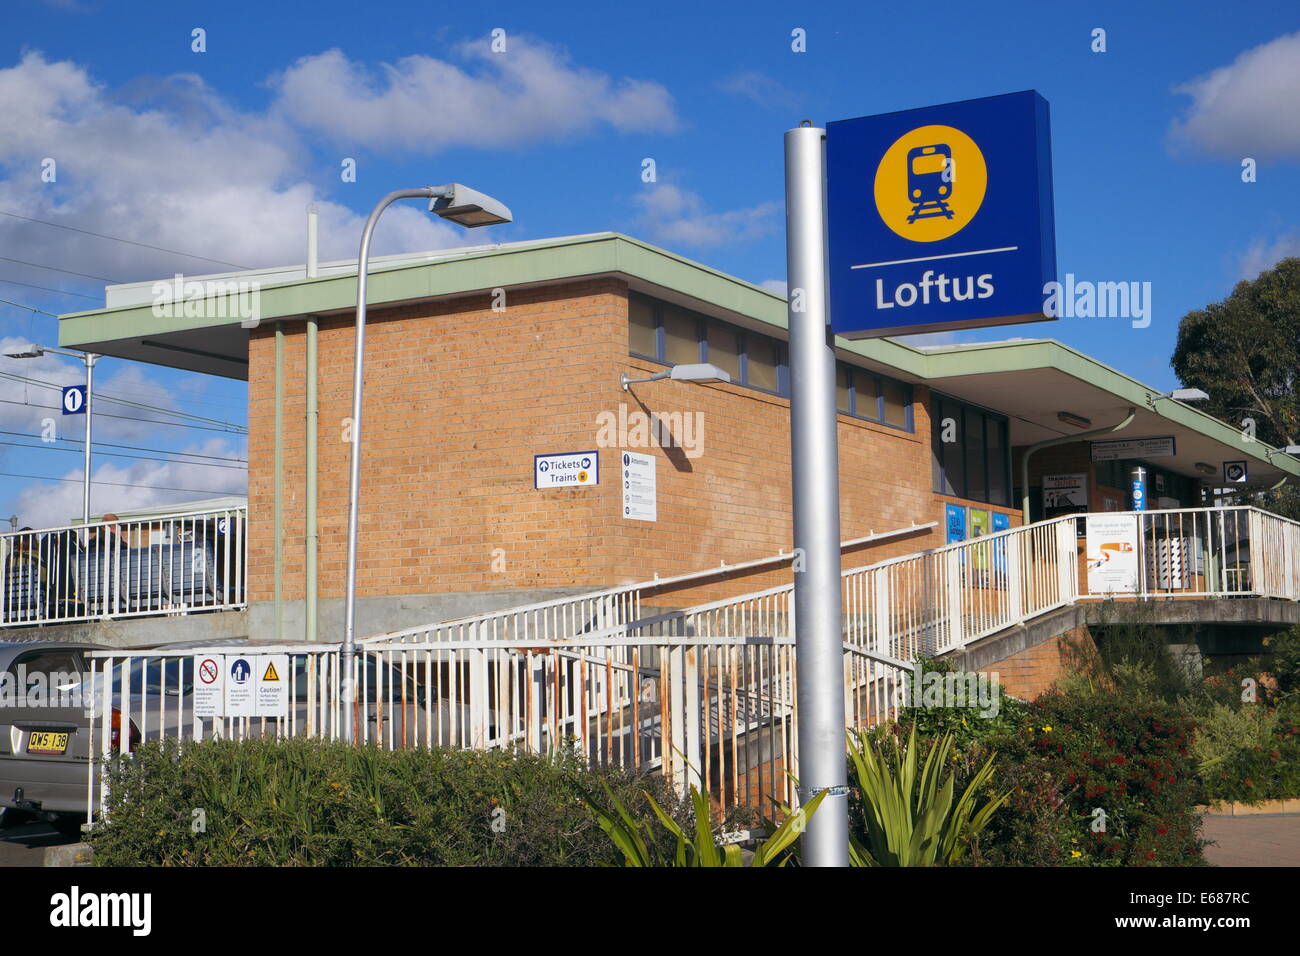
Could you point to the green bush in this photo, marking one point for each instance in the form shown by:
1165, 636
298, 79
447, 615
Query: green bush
1130, 760
316, 803
1251, 754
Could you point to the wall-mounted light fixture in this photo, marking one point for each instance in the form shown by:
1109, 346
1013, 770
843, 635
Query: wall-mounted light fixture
1179, 395
1078, 421
699, 372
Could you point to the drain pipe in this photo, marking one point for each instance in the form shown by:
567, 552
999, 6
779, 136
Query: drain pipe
311, 535
1063, 440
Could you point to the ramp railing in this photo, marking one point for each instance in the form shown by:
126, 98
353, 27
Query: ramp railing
707, 694
159, 565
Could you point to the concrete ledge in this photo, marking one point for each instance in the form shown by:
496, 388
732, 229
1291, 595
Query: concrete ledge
140, 631
72, 854
379, 615
1230, 612
1289, 805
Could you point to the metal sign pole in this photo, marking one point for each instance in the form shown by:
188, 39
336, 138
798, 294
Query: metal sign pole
819, 649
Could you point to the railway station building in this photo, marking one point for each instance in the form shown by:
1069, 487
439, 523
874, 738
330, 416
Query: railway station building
490, 369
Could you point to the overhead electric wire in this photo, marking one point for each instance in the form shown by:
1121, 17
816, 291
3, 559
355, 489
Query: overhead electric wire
37, 265
104, 444
104, 396
129, 418
120, 484
100, 235
118, 454
29, 308
45, 288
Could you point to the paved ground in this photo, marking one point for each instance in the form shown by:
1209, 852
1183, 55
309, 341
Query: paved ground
24, 843
1253, 840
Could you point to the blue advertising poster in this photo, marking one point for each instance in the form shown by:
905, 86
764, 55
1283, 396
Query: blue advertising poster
1001, 522
955, 520
940, 218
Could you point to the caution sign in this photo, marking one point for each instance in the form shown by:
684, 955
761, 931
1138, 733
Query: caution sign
209, 685
273, 685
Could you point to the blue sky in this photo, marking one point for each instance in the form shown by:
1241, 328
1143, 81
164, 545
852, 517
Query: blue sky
215, 154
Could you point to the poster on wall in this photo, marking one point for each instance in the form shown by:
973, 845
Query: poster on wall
1064, 494
1001, 522
955, 521
979, 526
1112, 554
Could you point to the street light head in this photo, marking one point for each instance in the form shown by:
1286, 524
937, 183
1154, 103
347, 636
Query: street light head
702, 372
26, 352
1189, 395
468, 207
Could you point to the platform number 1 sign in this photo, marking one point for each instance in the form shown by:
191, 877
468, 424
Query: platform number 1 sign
74, 400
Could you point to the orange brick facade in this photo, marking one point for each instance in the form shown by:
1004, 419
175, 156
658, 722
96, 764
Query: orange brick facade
1030, 672
459, 398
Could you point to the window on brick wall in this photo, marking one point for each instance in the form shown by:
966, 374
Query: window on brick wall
865, 394
672, 335
975, 462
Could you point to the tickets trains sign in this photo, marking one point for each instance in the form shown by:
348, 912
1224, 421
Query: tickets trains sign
940, 218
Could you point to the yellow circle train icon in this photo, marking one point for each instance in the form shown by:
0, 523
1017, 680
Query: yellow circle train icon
930, 183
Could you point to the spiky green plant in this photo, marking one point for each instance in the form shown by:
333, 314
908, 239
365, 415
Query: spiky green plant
910, 816
630, 835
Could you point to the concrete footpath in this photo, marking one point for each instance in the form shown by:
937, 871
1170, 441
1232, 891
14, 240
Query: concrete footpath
1254, 840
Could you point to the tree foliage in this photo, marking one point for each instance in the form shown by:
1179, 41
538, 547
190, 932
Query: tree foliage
1245, 352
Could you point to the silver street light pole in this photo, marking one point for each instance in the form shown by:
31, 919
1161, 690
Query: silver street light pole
354, 475
89, 358
819, 648
468, 208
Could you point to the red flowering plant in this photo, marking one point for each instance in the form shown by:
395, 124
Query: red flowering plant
1126, 783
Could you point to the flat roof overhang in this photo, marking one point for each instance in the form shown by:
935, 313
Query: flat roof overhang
1028, 380
212, 340
1032, 381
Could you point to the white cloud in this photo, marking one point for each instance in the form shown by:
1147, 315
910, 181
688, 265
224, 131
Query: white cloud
1264, 254
759, 87
183, 171
1248, 108
673, 215
25, 410
531, 92
128, 485
779, 286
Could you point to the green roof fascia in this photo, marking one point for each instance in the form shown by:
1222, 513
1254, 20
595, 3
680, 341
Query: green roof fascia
575, 257
546, 261
992, 357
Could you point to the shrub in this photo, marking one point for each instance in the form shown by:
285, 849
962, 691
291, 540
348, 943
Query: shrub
906, 811
1082, 762
1251, 754
318, 803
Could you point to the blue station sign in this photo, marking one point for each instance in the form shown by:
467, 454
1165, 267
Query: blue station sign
940, 218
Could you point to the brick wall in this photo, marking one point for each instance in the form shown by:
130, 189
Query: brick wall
1028, 673
458, 400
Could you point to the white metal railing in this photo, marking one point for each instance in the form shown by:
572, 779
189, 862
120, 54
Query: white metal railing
715, 711
162, 564
596, 610
705, 694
